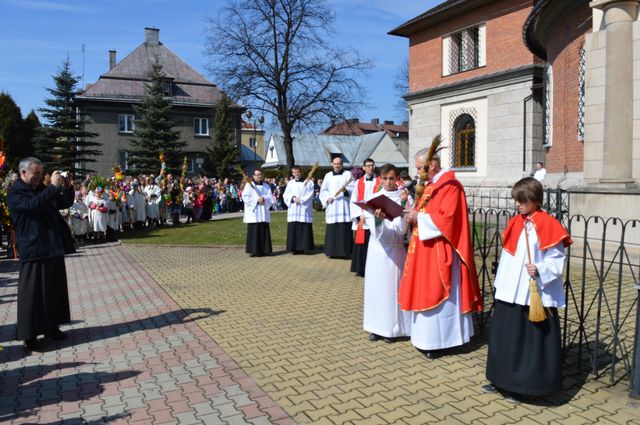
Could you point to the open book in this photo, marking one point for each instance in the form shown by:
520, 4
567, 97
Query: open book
388, 206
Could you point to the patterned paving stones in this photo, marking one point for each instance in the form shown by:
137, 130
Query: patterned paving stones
182, 335
134, 356
294, 325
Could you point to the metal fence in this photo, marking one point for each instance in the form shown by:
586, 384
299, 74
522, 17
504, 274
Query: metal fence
603, 267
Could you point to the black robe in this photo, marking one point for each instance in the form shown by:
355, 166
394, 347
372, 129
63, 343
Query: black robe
299, 237
258, 239
338, 240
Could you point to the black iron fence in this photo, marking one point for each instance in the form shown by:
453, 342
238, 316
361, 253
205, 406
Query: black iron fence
603, 267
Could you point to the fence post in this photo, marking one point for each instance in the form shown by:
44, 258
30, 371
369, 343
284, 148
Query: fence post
635, 379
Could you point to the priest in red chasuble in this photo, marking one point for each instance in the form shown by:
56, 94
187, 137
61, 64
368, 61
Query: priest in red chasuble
439, 282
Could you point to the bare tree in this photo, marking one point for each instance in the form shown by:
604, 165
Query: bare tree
276, 56
401, 87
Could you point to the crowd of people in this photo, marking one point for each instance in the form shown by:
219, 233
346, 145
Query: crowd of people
410, 240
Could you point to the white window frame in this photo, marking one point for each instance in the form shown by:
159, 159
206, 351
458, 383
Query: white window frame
548, 107
123, 160
253, 142
129, 121
198, 126
447, 46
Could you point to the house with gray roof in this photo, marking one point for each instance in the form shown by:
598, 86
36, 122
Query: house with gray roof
311, 148
108, 104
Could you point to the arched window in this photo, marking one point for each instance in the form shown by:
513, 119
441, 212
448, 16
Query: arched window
464, 149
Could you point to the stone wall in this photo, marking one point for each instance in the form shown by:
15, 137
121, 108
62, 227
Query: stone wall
499, 122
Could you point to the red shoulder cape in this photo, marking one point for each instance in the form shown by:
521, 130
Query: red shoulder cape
549, 230
426, 279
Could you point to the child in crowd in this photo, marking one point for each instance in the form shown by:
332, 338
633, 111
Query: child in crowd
525, 357
187, 201
78, 220
383, 318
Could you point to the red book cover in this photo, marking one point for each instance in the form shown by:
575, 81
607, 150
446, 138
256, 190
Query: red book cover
388, 206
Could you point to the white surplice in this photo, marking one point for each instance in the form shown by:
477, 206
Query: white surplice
385, 262
153, 194
302, 190
355, 210
138, 203
253, 211
338, 210
512, 279
444, 326
97, 218
78, 218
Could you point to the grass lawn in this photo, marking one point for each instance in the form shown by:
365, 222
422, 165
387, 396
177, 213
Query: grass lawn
230, 231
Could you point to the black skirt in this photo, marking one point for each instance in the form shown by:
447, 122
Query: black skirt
258, 239
43, 297
338, 240
359, 257
299, 237
524, 357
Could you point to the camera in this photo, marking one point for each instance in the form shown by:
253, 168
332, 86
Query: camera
64, 174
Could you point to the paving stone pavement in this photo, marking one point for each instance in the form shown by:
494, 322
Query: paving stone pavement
133, 356
294, 324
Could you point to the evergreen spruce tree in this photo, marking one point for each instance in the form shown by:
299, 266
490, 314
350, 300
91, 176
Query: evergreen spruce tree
223, 153
31, 124
63, 143
11, 125
154, 129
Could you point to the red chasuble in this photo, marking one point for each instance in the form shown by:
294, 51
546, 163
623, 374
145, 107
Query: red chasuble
549, 230
426, 280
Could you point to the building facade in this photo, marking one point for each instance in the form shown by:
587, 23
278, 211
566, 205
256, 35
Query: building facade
108, 104
593, 49
473, 80
252, 149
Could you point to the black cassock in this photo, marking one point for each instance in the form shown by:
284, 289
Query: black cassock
43, 300
524, 357
359, 257
338, 240
258, 239
299, 237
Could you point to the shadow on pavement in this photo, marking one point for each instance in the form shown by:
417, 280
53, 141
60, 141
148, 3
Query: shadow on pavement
80, 420
96, 333
23, 391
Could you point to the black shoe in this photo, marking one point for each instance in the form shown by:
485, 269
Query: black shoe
56, 334
512, 398
389, 340
432, 355
488, 389
30, 345
374, 337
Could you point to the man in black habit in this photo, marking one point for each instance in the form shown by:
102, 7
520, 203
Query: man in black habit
257, 199
334, 195
43, 299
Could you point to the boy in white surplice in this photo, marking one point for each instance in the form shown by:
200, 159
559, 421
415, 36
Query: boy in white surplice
383, 318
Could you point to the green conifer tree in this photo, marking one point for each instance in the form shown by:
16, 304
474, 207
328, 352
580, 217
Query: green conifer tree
11, 125
224, 152
63, 143
154, 129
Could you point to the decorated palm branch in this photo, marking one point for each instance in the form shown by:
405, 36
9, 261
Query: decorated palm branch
311, 173
98, 182
248, 180
424, 176
356, 173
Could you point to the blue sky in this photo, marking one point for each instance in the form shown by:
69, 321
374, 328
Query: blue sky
37, 35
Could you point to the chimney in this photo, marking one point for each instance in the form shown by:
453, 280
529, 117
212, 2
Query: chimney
353, 120
375, 121
152, 36
388, 122
112, 59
